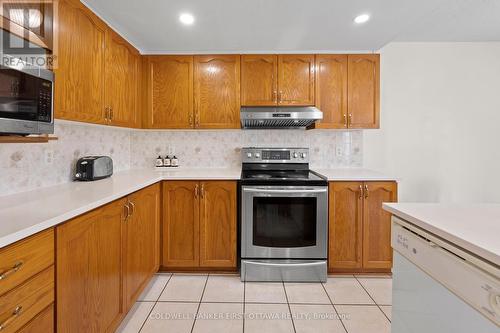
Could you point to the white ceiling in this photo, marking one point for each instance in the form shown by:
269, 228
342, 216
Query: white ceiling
232, 26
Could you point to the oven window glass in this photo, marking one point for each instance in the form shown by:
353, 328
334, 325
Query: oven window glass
284, 221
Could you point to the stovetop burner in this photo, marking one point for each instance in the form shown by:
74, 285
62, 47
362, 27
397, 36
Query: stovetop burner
278, 166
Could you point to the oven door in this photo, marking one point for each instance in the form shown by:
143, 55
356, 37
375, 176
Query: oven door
284, 222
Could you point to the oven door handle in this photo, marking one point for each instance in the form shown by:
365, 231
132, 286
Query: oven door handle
310, 190
278, 264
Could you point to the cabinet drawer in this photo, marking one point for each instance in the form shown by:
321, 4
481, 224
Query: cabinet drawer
24, 259
43, 322
23, 303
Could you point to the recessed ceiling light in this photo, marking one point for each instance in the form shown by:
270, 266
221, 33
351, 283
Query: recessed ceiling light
186, 18
361, 18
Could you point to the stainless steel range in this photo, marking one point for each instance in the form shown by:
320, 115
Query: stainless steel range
284, 217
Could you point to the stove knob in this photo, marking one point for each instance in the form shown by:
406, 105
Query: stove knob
295, 155
249, 155
303, 155
257, 155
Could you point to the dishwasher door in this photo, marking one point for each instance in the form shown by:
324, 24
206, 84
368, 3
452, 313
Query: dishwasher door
437, 291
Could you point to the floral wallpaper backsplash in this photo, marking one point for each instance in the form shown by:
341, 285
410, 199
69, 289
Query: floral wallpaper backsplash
215, 149
25, 167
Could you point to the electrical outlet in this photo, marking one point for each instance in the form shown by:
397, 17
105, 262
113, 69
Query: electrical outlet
48, 156
338, 151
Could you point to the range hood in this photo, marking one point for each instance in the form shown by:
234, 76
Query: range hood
279, 117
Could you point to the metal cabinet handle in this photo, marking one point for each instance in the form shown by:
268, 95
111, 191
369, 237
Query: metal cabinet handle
361, 191
132, 206
190, 119
275, 96
202, 191
350, 119
17, 311
345, 120
366, 191
280, 94
106, 111
197, 120
17, 266
196, 191
110, 113
126, 208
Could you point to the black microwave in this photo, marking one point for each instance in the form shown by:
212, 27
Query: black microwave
26, 99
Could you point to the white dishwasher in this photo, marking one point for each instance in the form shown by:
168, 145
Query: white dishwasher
439, 288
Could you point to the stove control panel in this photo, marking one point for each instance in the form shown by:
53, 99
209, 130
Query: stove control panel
275, 155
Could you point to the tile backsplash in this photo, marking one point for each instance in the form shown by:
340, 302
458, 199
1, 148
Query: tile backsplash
25, 167
214, 149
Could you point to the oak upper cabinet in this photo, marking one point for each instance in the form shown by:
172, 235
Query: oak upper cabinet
259, 80
180, 245
331, 90
199, 224
79, 90
169, 98
218, 224
89, 265
296, 79
363, 90
217, 91
359, 229
121, 81
346, 225
377, 251
141, 241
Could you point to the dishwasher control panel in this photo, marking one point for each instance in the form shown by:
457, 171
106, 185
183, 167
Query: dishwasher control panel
449, 266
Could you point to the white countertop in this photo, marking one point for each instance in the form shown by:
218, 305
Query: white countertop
24, 214
354, 174
474, 227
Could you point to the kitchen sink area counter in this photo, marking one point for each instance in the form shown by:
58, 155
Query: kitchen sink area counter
24, 214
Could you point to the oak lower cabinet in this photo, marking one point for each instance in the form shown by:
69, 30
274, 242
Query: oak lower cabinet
199, 225
27, 284
359, 229
104, 260
89, 271
141, 241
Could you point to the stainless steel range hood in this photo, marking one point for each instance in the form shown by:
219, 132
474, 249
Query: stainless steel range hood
279, 117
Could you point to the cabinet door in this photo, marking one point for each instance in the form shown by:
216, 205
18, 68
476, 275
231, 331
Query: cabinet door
180, 224
345, 222
363, 90
217, 91
170, 92
141, 242
296, 79
377, 252
259, 80
89, 284
218, 224
331, 90
79, 91
121, 75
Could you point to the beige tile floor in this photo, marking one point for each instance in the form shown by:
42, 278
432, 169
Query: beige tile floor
204, 303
